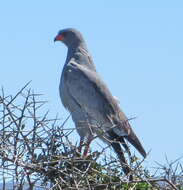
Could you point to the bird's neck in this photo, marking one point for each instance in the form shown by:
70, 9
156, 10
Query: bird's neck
72, 50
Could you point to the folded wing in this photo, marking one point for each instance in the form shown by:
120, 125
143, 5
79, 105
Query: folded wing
91, 93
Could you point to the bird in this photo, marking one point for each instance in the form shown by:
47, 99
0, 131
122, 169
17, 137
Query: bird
94, 110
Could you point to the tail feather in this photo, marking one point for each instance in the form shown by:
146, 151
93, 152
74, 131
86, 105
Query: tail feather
116, 140
120, 139
118, 150
132, 138
124, 127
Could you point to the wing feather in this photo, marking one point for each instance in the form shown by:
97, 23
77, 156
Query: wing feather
89, 90
91, 93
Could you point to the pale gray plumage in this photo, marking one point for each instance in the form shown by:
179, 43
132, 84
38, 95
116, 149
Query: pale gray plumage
93, 108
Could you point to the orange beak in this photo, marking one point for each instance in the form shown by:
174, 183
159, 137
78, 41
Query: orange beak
59, 37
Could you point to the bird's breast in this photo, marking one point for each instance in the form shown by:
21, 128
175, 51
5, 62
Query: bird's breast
67, 100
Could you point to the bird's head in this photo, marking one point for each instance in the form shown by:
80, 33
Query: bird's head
70, 37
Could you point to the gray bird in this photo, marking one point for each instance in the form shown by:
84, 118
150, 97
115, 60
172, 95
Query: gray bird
93, 108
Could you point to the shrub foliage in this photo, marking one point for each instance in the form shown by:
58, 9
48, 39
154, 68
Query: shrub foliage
37, 153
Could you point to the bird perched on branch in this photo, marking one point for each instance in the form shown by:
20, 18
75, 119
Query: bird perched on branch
93, 108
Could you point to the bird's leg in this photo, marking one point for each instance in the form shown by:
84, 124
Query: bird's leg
87, 146
81, 143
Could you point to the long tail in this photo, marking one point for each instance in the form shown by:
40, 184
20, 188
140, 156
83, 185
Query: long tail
132, 138
118, 150
130, 135
115, 143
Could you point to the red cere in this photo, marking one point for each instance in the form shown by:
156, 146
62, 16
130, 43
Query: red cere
59, 37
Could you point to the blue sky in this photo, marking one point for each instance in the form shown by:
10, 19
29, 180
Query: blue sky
137, 47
